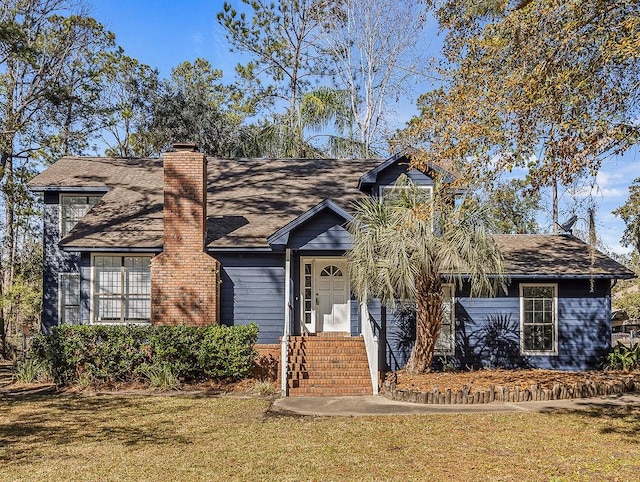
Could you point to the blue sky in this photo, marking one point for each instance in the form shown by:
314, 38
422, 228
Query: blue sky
163, 33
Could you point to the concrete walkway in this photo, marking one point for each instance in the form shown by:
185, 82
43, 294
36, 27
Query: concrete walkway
369, 405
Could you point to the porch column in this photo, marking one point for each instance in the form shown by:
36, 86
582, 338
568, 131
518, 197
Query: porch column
284, 347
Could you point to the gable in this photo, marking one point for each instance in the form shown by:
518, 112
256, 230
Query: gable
387, 172
326, 231
320, 228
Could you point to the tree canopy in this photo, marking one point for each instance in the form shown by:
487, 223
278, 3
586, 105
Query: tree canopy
550, 85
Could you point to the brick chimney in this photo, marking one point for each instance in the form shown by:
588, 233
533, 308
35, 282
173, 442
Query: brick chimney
184, 279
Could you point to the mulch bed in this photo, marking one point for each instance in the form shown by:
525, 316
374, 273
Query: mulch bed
478, 380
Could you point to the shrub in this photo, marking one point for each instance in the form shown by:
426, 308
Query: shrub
121, 353
623, 357
31, 370
162, 376
264, 388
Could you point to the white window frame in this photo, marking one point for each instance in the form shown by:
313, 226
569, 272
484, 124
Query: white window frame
61, 296
452, 323
311, 326
392, 187
123, 296
554, 350
88, 204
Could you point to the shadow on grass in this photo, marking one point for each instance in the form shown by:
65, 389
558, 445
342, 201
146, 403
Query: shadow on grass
35, 424
618, 415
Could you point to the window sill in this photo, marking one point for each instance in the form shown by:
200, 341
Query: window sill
539, 353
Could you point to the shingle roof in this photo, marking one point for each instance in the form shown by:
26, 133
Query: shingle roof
555, 256
251, 199
248, 199
129, 215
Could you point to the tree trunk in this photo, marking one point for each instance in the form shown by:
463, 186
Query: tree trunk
9, 249
428, 323
554, 200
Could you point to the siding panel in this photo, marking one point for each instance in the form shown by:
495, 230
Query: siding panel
488, 330
252, 290
324, 232
389, 176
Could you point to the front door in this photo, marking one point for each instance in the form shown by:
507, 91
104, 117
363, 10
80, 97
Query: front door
326, 302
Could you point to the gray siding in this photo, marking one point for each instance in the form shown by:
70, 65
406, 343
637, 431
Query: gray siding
391, 174
252, 290
488, 330
324, 232
54, 261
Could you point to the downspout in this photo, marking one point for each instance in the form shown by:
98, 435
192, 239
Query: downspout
284, 344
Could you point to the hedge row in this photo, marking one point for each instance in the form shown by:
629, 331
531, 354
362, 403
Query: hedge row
121, 353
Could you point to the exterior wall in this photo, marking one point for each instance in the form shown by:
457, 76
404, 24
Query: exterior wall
488, 329
252, 290
323, 232
390, 175
55, 261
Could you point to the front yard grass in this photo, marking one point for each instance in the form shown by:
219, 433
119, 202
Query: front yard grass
114, 437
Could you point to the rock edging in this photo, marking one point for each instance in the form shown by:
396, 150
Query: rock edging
467, 396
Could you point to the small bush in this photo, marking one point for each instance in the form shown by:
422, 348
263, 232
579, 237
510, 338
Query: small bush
264, 388
31, 370
120, 353
623, 357
161, 376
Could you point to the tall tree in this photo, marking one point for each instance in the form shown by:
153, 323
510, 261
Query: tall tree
549, 85
128, 96
195, 105
281, 39
630, 214
406, 244
304, 133
373, 45
37, 46
512, 207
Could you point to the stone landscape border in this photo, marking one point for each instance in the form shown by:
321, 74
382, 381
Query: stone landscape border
493, 393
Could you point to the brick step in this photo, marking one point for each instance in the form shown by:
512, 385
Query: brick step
297, 375
334, 371
329, 392
345, 382
6, 372
329, 352
329, 376
324, 338
362, 357
328, 372
324, 342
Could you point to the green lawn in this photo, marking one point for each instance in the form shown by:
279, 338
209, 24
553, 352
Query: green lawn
178, 438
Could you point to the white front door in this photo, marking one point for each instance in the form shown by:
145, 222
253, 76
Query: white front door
327, 309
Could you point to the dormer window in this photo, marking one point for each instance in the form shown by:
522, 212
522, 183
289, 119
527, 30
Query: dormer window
72, 209
393, 191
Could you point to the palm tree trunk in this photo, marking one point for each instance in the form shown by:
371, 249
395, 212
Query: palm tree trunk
428, 323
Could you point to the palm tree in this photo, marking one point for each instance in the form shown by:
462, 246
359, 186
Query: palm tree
407, 243
322, 114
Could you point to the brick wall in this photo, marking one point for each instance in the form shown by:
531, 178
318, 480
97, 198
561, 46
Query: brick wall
184, 279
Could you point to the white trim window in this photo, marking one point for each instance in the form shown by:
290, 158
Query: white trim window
445, 344
121, 289
386, 192
539, 319
72, 209
69, 298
